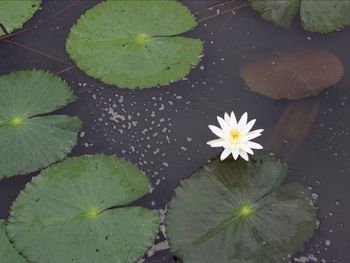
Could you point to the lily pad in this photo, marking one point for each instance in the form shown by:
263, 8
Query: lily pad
324, 16
293, 75
14, 13
28, 140
8, 253
237, 211
279, 12
316, 15
135, 43
78, 211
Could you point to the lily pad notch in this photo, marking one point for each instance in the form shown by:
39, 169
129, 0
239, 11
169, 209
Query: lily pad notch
29, 138
83, 206
135, 44
238, 211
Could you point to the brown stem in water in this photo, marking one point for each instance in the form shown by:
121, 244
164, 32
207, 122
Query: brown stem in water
212, 6
64, 70
35, 51
224, 12
280, 124
305, 130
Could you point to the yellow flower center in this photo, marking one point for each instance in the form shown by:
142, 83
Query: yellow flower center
16, 121
142, 39
235, 136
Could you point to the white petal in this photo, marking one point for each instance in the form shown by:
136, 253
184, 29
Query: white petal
243, 121
246, 148
227, 118
257, 131
217, 143
217, 131
254, 145
244, 155
233, 120
224, 154
222, 123
235, 153
252, 135
249, 126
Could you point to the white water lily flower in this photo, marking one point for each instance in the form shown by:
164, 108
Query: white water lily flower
235, 137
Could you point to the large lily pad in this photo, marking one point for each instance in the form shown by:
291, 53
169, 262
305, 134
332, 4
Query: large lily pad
28, 141
135, 43
8, 253
236, 211
76, 211
14, 13
293, 75
316, 15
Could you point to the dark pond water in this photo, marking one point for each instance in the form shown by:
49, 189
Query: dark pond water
164, 131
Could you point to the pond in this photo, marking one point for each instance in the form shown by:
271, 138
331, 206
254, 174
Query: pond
164, 131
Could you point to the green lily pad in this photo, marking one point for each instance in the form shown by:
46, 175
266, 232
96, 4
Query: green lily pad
293, 75
28, 140
324, 16
135, 43
279, 12
77, 211
8, 253
14, 13
316, 15
237, 211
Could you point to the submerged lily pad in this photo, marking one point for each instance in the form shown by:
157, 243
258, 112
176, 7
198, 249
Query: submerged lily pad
14, 13
316, 15
237, 211
8, 253
77, 211
135, 43
28, 140
293, 75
